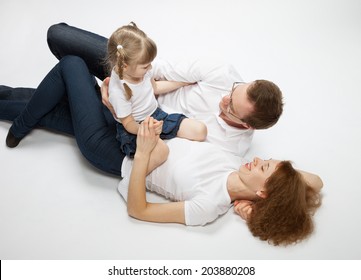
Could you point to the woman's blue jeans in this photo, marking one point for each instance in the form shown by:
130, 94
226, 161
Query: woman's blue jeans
66, 40
67, 101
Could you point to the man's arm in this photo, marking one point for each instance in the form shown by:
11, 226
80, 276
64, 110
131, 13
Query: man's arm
162, 87
313, 180
215, 73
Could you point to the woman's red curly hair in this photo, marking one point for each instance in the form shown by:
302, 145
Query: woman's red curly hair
284, 217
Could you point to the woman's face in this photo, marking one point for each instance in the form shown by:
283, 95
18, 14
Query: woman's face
254, 174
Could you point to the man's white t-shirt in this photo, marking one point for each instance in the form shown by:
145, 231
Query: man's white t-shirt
201, 101
195, 172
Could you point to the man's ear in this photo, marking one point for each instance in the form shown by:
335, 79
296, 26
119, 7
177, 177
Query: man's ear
261, 194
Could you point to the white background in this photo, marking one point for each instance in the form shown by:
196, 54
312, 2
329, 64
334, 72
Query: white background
54, 205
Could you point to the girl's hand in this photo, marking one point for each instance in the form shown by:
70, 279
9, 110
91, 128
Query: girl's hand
147, 137
243, 208
158, 126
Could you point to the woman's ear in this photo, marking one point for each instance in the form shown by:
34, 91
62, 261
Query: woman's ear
261, 194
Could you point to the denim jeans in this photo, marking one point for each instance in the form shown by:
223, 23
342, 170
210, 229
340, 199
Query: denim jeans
171, 124
14, 101
66, 40
67, 101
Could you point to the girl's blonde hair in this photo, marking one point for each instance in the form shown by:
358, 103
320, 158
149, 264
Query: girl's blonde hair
285, 216
129, 45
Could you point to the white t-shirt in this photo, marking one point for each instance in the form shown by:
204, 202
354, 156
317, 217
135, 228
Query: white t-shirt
140, 105
195, 172
201, 101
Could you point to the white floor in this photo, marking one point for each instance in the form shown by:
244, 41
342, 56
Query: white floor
54, 205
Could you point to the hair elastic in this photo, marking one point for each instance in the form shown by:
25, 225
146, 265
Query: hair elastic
119, 47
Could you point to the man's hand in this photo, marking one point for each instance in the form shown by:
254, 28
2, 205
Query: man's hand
243, 208
188, 84
105, 95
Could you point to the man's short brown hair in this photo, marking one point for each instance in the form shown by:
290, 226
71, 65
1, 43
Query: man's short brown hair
266, 98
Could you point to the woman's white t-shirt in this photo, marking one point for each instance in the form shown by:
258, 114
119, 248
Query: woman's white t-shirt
195, 172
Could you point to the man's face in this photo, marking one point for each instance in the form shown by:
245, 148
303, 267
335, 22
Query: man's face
236, 106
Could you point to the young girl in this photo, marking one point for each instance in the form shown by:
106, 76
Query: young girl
132, 93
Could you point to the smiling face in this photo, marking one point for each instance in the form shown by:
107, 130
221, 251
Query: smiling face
254, 174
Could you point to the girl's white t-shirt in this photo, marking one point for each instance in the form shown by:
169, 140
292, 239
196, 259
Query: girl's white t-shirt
140, 105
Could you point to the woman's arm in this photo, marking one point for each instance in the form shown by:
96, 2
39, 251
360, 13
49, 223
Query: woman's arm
243, 208
138, 207
313, 180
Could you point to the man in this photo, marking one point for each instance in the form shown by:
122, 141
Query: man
230, 108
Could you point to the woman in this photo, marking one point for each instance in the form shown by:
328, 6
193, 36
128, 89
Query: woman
276, 200
67, 100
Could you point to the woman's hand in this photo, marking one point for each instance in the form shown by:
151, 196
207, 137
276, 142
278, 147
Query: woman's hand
137, 206
147, 137
243, 208
105, 95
